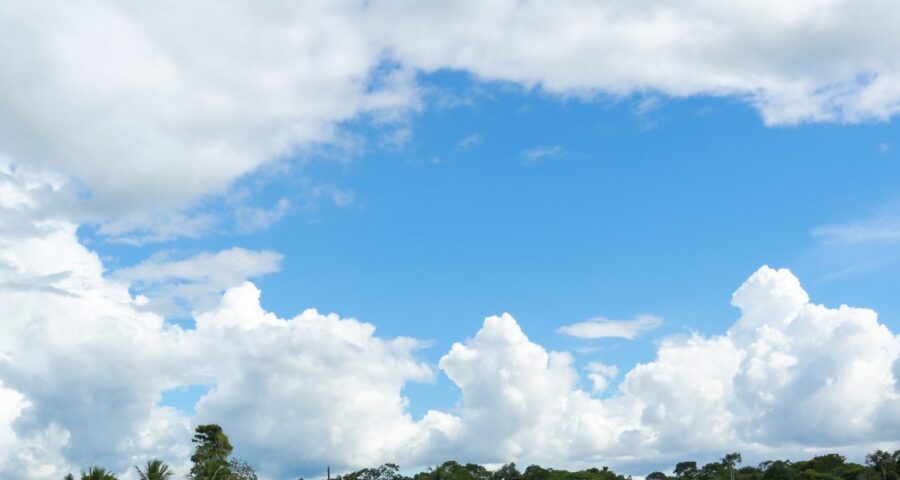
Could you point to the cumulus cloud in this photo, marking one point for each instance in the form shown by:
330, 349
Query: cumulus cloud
326, 390
601, 374
815, 60
151, 109
603, 328
83, 368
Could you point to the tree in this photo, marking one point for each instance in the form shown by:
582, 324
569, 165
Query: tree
210, 458
241, 470
98, 473
388, 471
657, 476
507, 472
686, 470
779, 470
69, 476
880, 460
730, 460
154, 470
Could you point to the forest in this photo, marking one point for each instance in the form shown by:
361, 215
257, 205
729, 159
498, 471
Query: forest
213, 460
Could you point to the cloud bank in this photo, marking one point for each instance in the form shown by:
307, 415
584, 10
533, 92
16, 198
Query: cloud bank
83, 367
153, 109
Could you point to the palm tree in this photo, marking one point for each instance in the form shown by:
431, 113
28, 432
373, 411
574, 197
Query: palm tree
98, 473
154, 470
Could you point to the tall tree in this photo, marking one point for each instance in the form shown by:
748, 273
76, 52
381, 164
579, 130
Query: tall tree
881, 460
154, 470
210, 458
731, 460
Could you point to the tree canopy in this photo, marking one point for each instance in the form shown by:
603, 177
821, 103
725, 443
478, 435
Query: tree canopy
212, 460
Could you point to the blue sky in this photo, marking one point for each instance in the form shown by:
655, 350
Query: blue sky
634, 205
664, 210
531, 231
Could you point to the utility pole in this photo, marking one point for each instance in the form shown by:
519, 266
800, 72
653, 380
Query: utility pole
328, 473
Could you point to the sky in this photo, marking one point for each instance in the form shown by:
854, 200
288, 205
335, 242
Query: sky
568, 233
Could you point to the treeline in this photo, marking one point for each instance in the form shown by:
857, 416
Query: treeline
212, 460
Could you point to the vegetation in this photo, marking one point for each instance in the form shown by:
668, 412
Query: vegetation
212, 460
154, 470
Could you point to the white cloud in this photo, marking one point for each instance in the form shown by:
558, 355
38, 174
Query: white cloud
600, 375
82, 369
813, 60
520, 401
788, 375
325, 390
251, 219
603, 328
537, 154
151, 109
470, 141
177, 286
884, 228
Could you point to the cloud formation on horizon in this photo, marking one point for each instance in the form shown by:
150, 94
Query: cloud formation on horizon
83, 368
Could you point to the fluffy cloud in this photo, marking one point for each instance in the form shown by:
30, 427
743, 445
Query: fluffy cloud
814, 60
788, 373
83, 368
325, 390
150, 109
520, 401
180, 100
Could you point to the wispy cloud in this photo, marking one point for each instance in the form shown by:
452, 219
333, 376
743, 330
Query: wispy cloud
646, 105
251, 219
605, 328
175, 286
879, 229
470, 141
540, 153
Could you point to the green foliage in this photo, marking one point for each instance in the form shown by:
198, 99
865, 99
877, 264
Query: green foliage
210, 458
154, 470
212, 461
686, 470
507, 472
388, 471
98, 473
240, 470
882, 461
